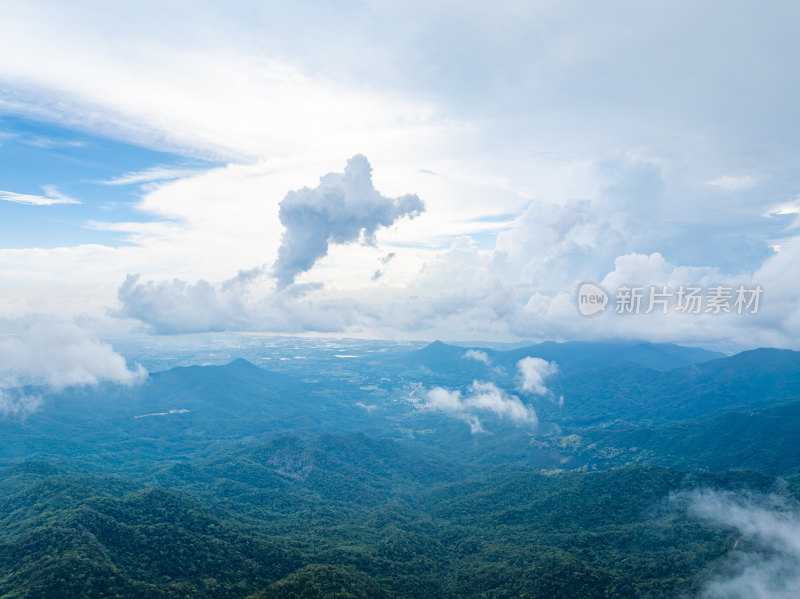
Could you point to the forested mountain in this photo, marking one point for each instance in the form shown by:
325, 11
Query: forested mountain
340, 480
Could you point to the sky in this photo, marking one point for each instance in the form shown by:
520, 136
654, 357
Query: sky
399, 170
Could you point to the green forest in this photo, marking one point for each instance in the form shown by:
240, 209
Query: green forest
267, 486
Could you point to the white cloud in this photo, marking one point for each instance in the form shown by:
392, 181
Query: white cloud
489, 397
790, 211
533, 372
195, 85
179, 307
51, 197
58, 354
481, 397
443, 400
156, 173
478, 356
767, 564
470, 293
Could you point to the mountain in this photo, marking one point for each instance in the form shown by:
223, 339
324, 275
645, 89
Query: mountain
87, 537
572, 357
329, 468
503, 534
580, 356
184, 412
759, 440
324, 581
334, 478
756, 379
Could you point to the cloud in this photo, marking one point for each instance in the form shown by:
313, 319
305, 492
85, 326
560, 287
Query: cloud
56, 354
177, 306
51, 197
481, 397
18, 404
533, 372
49, 144
477, 355
488, 397
444, 400
765, 561
470, 293
602, 163
156, 173
475, 426
343, 208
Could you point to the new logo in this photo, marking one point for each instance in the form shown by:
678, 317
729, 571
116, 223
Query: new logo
592, 299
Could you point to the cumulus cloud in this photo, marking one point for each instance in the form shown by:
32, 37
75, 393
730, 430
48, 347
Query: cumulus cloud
765, 561
177, 306
488, 397
480, 397
523, 287
56, 354
533, 372
444, 400
343, 208
478, 356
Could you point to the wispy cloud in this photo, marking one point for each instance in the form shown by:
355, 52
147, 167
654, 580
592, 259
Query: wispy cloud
158, 173
18, 404
51, 197
47, 143
765, 560
733, 183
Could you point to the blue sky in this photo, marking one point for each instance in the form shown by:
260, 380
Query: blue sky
547, 144
37, 155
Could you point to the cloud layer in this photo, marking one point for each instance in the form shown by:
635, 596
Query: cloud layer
343, 208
